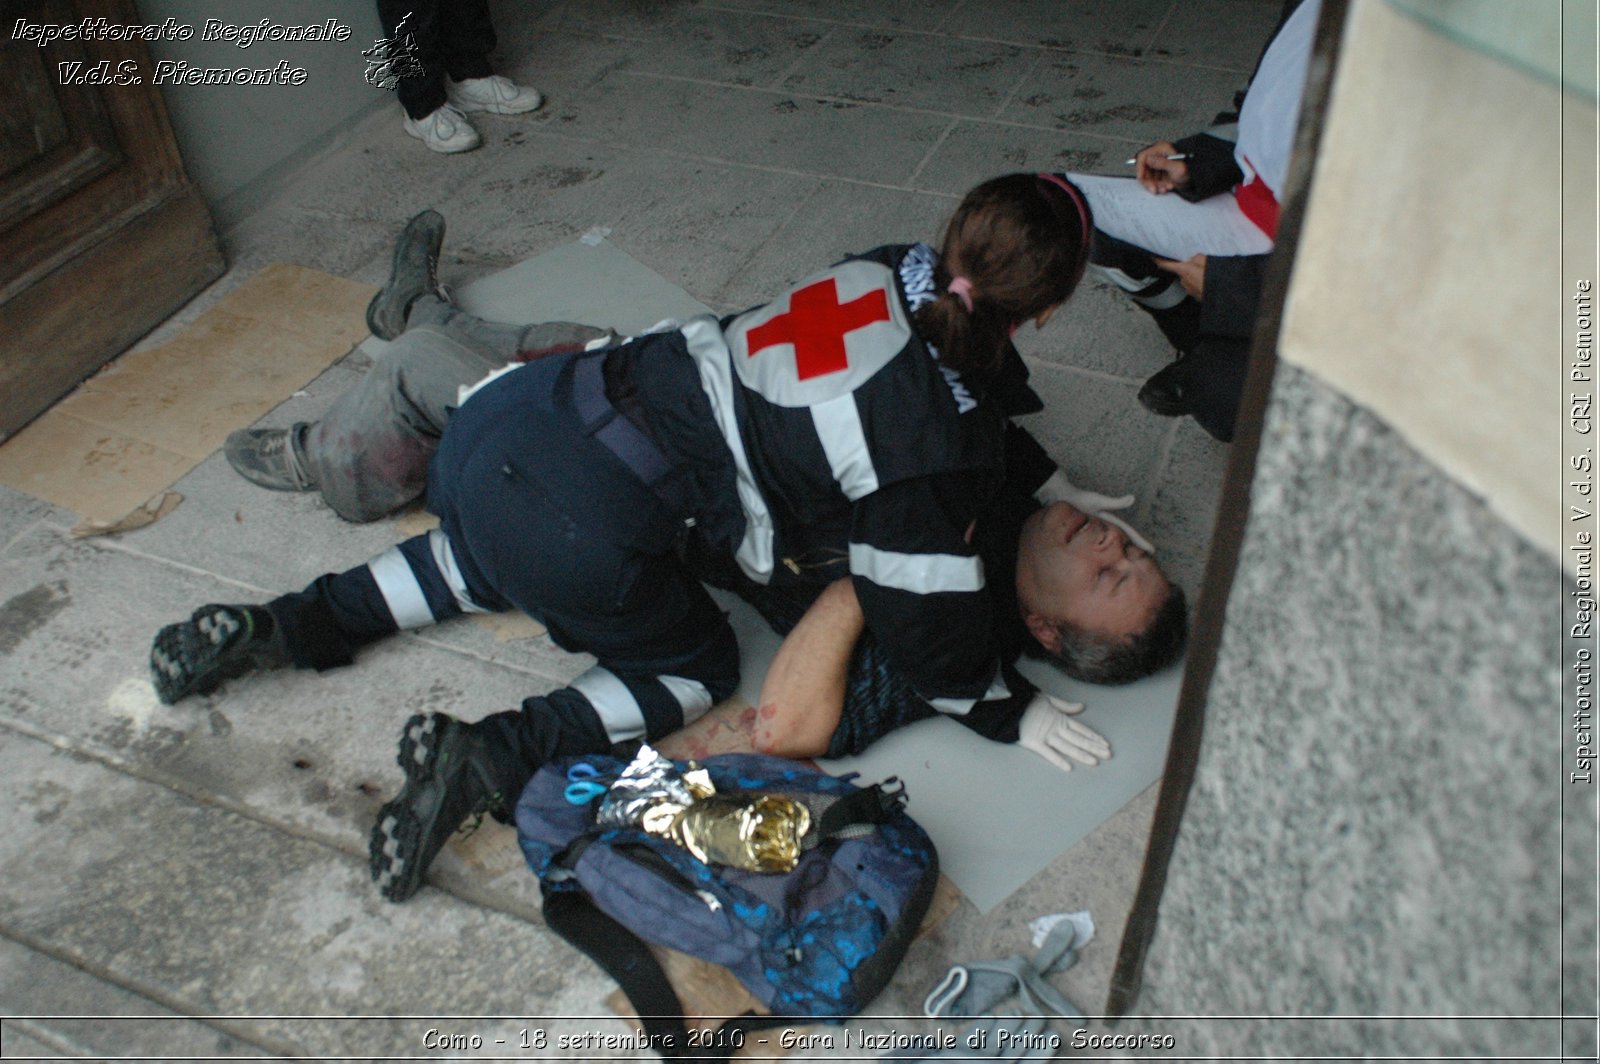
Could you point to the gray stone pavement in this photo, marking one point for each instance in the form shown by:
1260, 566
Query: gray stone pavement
200, 870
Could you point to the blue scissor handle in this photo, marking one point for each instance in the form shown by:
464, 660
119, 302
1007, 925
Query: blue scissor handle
582, 792
583, 787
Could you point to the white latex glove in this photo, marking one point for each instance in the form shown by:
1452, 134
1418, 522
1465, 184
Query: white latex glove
1059, 489
1048, 730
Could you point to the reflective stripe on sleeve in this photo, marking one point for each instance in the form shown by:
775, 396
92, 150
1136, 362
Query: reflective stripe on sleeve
920, 574
960, 707
706, 345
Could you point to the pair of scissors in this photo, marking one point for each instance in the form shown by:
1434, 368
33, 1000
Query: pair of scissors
583, 784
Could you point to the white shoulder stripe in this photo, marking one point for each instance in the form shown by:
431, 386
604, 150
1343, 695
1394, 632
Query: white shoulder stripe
705, 342
844, 441
920, 574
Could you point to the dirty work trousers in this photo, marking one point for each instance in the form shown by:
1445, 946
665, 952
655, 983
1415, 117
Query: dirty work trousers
369, 453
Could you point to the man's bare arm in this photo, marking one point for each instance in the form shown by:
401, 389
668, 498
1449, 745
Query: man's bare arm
802, 697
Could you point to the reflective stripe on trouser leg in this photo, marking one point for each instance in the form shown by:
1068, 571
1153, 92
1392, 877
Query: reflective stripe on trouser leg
421, 582
651, 707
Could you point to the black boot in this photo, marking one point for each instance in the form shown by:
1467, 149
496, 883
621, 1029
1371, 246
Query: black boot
449, 777
1206, 384
216, 643
1169, 392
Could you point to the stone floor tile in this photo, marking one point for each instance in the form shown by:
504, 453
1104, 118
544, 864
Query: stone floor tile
1221, 33
1114, 96
974, 151
914, 70
153, 889
1124, 28
932, 15
1099, 329
1184, 500
693, 221
834, 220
1095, 428
19, 512
36, 985
777, 131
702, 43
306, 236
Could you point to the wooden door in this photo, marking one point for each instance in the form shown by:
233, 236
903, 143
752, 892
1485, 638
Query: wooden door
101, 234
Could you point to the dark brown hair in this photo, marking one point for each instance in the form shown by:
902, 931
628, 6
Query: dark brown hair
1022, 241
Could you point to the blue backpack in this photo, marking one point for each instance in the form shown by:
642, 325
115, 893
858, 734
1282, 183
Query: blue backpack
815, 943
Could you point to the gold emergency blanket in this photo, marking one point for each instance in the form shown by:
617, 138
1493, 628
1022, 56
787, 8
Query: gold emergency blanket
756, 832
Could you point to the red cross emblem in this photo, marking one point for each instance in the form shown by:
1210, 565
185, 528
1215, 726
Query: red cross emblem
816, 324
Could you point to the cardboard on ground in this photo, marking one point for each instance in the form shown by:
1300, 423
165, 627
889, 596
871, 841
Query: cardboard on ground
150, 416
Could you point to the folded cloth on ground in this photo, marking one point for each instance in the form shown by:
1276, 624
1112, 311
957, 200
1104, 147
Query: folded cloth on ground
979, 988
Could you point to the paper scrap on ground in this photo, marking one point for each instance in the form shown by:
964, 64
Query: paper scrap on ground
150, 416
154, 509
1170, 226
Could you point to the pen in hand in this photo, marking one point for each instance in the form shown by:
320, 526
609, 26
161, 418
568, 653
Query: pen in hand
1179, 157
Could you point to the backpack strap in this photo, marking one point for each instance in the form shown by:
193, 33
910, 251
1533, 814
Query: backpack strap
626, 958
867, 805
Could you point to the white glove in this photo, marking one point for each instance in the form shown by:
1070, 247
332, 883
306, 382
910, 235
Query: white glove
1048, 730
1059, 489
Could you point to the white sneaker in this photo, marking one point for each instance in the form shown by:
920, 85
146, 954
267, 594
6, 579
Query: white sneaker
496, 94
446, 130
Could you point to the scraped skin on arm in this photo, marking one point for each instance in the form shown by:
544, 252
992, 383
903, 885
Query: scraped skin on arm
726, 729
802, 697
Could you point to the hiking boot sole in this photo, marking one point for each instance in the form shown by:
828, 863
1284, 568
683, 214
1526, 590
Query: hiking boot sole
185, 661
394, 849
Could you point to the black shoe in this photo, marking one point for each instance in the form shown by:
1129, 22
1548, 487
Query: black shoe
1169, 392
416, 257
216, 643
271, 458
448, 779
